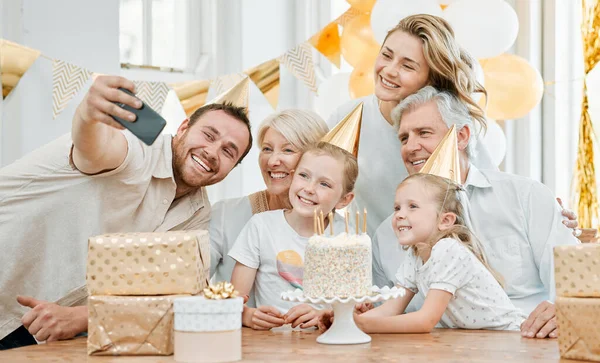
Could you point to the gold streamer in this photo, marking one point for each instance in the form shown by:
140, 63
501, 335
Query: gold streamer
585, 173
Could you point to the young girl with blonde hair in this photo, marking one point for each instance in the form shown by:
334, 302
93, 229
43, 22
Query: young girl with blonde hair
270, 248
446, 265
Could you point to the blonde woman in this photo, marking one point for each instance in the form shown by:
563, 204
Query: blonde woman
419, 51
282, 138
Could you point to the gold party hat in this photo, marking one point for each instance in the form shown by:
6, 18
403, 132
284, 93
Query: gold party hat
444, 161
236, 95
346, 134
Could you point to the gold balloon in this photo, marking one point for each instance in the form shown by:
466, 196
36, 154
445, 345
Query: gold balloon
362, 78
513, 85
358, 41
364, 6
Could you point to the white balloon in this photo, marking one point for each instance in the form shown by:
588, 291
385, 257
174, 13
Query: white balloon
495, 142
387, 13
445, 2
332, 93
484, 28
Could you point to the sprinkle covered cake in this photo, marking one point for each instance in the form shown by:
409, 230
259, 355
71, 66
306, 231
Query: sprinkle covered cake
338, 266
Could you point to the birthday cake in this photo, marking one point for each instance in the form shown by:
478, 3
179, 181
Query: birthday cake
338, 266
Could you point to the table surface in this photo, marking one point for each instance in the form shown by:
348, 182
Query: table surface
447, 345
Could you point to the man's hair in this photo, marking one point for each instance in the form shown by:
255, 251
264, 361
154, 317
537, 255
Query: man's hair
239, 113
452, 110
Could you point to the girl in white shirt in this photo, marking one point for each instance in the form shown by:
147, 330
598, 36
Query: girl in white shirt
281, 137
446, 265
270, 248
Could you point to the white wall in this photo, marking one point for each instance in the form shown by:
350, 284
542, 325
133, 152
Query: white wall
80, 32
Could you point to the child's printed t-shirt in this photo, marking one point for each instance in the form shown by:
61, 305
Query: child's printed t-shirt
270, 245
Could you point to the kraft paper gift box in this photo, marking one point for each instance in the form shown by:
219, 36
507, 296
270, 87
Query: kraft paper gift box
166, 263
577, 270
130, 325
578, 322
208, 330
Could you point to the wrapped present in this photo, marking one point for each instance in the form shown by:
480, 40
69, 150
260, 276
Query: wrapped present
167, 263
577, 270
211, 326
130, 325
578, 333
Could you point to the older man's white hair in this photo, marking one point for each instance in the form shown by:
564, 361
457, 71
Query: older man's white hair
452, 110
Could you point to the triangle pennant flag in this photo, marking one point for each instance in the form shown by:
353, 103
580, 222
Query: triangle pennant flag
266, 77
191, 94
327, 42
15, 60
236, 95
67, 80
223, 83
153, 94
299, 61
347, 17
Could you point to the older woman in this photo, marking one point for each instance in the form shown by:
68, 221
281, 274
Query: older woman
281, 138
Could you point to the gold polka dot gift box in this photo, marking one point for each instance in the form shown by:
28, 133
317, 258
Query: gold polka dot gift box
577, 270
130, 325
577, 278
578, 328
176, 262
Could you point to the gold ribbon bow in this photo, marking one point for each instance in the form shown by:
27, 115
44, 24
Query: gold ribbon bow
220, 291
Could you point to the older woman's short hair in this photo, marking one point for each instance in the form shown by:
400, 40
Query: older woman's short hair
301, 128
452, 110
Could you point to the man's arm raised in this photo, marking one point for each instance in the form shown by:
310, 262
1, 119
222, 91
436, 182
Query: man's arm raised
98, 143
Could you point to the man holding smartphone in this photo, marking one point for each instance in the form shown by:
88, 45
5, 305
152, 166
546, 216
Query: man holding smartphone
101, 179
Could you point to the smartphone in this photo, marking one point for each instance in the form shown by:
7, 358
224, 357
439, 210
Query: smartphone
148, 124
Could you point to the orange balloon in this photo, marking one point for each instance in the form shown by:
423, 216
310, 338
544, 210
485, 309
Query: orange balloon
362, 79
364, 6
358, 41
513, 85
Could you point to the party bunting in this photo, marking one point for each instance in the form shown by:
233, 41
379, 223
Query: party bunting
299, 61
327, 42
191, 94
266, 78
67, 80
153, 94
223, 83
347, 17
15, 60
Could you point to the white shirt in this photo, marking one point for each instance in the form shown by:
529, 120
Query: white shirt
228, 217
380, 164
48, 210
478, 300
518, 222
270, 245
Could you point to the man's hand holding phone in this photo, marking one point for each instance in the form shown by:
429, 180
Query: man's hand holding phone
100, 103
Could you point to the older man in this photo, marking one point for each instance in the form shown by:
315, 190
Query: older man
100, 180
517, 218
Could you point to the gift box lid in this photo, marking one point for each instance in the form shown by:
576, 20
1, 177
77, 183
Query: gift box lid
201, 305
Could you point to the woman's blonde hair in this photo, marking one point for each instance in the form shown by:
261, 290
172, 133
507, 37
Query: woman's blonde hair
350, 163
451, 68
300, 127
447, 197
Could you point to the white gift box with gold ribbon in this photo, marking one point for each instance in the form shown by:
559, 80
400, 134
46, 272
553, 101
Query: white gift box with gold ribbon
208, 330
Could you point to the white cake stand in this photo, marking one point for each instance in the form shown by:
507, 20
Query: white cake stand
344, 329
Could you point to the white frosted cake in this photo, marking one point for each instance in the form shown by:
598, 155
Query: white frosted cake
338, 266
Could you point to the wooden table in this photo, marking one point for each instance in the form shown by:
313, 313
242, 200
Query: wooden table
447, 345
